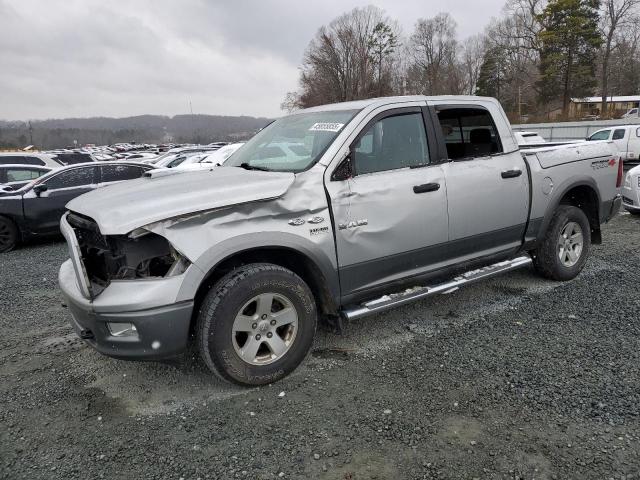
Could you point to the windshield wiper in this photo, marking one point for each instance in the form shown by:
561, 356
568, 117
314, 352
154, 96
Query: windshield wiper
246, 166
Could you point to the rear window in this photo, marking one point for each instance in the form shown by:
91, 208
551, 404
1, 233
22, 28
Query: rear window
73, 158
116, 173
469, 132
619, 134
20, 159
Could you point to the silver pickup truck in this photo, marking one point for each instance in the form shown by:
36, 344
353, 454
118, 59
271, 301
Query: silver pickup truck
339, 211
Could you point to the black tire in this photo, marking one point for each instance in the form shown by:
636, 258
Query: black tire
8, 235
634, 212
215, 335
546, 258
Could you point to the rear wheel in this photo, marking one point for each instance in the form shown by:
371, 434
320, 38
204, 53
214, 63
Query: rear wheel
565, 247
256, 324
8, 235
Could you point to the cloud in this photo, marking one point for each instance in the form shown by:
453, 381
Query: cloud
119, 58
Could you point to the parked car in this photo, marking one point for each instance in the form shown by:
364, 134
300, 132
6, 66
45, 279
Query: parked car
37, 159
73, 158
632, 113
35, 209
140, 156
208, 160
528, 138
13, 177
625, 137
631, 191
342, 210
52, 160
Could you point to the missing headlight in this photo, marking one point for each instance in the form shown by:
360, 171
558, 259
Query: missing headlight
121, 257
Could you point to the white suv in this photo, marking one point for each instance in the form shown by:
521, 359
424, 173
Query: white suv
631, 191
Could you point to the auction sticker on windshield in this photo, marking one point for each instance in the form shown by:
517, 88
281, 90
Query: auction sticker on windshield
326, 127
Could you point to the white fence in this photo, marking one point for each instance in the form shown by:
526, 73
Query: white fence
562, 131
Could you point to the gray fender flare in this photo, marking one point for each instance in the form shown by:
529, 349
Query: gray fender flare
219, 252
561, 191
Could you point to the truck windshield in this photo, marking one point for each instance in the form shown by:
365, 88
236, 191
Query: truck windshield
293, 143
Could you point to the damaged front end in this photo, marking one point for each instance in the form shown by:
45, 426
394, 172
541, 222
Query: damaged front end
138, 255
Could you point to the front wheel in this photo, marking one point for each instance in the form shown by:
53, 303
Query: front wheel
256, 324
565, 247
8, 235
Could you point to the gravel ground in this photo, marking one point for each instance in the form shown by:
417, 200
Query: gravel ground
517, 377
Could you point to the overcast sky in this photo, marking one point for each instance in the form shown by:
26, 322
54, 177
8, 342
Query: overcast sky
81, 58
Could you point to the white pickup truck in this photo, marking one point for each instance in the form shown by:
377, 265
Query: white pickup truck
626, 139
342, 210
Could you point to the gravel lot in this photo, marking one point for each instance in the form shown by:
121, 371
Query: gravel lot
517, 377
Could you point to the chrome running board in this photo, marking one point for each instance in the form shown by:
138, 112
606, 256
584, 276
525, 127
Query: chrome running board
388, 302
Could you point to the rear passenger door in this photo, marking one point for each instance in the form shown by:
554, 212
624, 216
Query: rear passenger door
43, 212
487, 187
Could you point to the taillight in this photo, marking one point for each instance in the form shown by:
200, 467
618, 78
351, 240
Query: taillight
620, 172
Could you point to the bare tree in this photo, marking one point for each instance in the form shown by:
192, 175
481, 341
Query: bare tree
349, 59
615, 17
473, 49
433, 47
624, 64
513, 41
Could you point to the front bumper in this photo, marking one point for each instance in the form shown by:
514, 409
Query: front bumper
162, 330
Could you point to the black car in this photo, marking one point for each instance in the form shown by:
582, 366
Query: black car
13, 177
35, 210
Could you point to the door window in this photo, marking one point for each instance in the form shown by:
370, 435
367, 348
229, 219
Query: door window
116, 173
618, 134
399, 141
22, 175
602, 135
469, 133
76, 177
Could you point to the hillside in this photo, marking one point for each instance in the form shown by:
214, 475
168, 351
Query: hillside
57, 133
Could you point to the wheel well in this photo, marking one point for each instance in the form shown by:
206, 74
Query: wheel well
288, 258
586, 199
15, 224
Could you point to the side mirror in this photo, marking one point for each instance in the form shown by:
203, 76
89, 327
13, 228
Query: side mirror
38, 189
346, 169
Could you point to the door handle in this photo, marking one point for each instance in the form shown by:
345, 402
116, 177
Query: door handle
427, 187
511, 173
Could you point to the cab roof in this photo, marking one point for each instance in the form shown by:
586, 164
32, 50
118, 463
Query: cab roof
380, 101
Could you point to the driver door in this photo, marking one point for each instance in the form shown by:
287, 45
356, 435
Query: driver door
391, 214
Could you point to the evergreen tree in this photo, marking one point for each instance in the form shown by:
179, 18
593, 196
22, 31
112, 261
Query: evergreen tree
570, 41
490, 75
383, 42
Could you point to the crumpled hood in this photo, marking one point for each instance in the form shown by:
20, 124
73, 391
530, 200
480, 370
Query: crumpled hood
120, 208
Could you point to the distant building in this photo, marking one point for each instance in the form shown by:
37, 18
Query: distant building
590, 106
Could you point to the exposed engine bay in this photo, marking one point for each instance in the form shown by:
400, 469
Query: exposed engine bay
123, 257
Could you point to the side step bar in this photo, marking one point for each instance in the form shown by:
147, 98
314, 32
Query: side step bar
388, 302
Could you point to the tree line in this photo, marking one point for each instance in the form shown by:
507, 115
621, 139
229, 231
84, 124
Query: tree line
59, 133
535, 57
